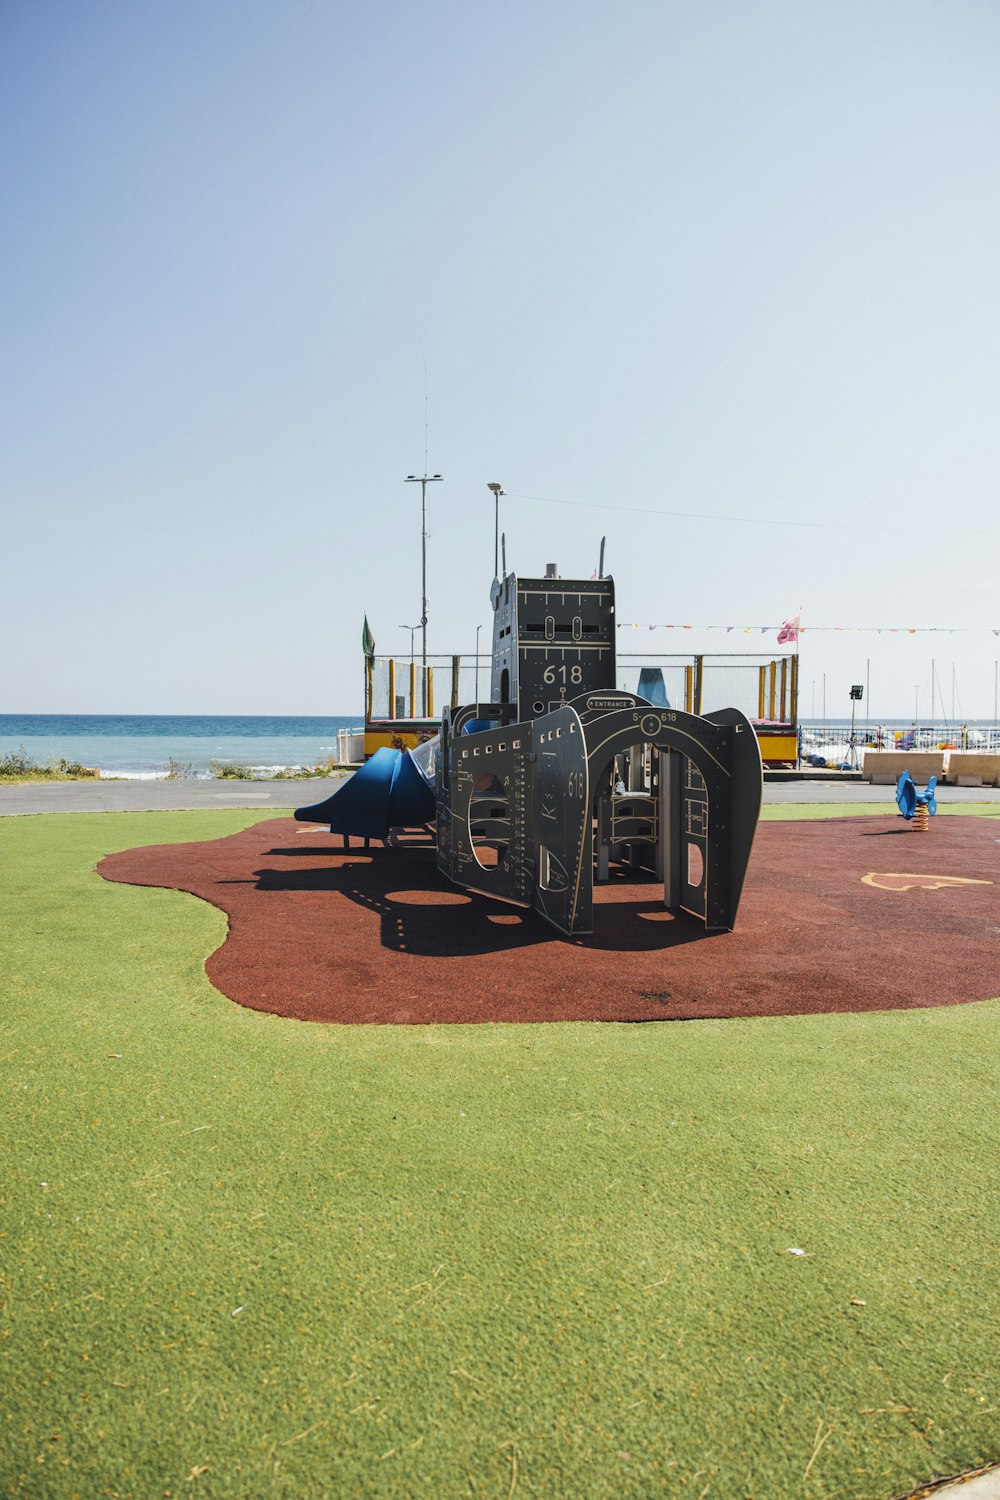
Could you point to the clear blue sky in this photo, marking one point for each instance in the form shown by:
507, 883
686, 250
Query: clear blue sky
735, 260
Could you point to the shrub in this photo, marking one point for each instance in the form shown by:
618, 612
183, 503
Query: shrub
306, 773
17, 763
224, 770
74, 768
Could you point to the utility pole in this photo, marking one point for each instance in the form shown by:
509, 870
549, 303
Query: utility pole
423, 480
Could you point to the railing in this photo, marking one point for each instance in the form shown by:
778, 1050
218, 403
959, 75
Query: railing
401, 688
350, 746
764, 687
829, 744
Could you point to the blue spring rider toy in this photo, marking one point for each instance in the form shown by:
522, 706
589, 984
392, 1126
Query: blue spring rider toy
912, 803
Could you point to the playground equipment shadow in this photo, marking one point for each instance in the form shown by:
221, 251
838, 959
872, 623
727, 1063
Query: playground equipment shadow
475, 924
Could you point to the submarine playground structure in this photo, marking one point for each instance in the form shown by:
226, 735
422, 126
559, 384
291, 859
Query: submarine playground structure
561, 775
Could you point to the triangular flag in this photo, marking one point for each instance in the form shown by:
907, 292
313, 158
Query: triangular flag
367, 641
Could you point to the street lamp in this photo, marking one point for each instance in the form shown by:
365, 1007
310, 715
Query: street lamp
497, 491
412, 629
423, 480
478, 629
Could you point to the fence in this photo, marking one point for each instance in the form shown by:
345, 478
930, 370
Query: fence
763, 687
350, 746
399, 688
828, 744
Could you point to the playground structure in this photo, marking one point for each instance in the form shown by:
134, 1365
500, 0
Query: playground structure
560, 765
918, 807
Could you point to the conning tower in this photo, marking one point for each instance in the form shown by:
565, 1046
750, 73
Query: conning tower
553, 639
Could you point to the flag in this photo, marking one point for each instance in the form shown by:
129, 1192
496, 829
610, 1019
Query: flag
789, 632
367, 641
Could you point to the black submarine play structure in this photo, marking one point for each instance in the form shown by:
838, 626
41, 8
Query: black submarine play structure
560, 766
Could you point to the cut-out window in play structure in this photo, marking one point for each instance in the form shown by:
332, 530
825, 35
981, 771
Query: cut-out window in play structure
562, 778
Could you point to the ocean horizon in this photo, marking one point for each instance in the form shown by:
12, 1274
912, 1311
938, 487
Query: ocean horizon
145, 745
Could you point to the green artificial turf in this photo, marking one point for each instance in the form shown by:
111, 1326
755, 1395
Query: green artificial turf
245, 1256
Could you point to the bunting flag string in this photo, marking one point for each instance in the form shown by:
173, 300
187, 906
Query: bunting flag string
824, 629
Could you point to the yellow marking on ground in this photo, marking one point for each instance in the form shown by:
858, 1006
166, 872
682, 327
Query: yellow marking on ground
901, 882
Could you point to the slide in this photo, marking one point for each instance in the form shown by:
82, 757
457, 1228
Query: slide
392, 790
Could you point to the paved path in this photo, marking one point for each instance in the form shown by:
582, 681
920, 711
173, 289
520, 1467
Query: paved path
149, 796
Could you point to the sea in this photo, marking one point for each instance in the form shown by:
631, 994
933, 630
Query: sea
149, 746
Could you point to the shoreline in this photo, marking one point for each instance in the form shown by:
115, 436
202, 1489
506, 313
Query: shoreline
255, 774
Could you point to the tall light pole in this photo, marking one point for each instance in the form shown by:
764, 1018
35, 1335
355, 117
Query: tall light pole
423, 480
412, 629
478, 629
496, 490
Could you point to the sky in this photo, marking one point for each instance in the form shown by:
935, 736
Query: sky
717, 281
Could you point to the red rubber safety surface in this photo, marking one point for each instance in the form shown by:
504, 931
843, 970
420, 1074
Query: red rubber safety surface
324, 935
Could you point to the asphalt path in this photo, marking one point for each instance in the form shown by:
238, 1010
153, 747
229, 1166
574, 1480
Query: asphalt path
281, 796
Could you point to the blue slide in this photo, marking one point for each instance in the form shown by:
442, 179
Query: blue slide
388, 791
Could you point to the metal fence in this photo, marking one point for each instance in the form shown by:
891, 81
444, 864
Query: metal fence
761, 686
400, 690
829, 744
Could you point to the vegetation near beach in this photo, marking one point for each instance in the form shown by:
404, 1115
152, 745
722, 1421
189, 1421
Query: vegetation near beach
224, 770
244, 1255
17, 765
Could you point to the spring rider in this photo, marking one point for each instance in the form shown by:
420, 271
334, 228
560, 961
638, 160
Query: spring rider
920, 806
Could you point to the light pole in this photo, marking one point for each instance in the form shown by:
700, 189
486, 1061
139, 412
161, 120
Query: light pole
496, 490
423, 480
478, 629
412, 629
